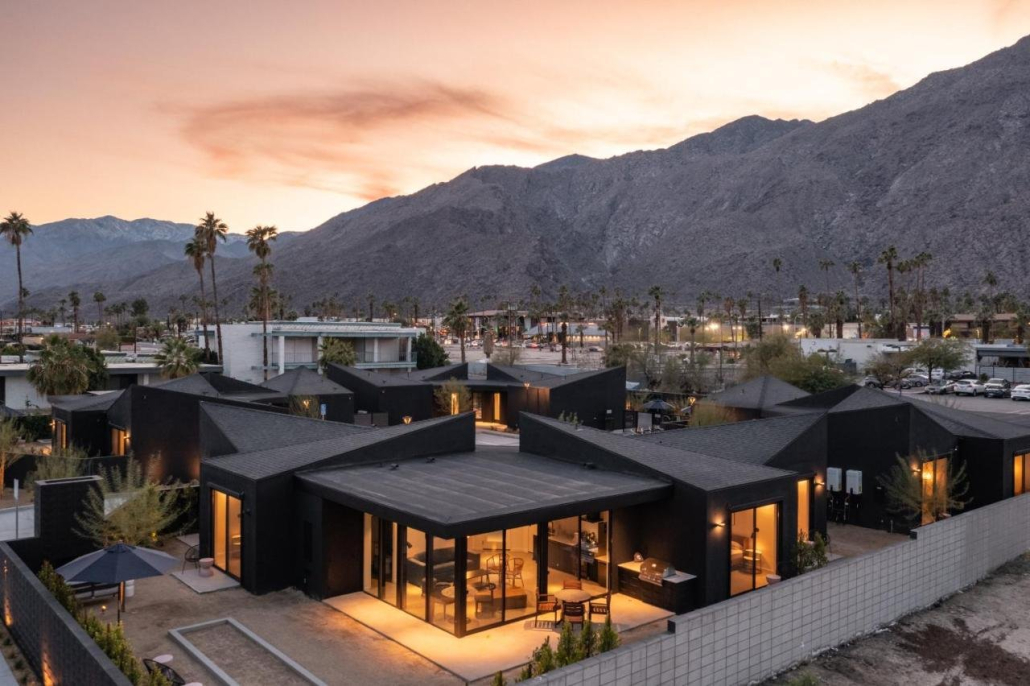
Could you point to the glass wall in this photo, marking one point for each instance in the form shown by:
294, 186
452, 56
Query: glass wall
935, 488
805, 508
416, 570
119, 441
443, 591
380, 561
754, 550
1020, 474
577, 552
227, 532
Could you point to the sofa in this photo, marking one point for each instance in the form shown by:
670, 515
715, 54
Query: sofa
443, 566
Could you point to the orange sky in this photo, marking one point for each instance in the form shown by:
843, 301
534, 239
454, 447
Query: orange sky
291, 112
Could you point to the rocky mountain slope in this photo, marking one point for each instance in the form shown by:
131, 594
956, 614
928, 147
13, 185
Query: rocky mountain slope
942, 167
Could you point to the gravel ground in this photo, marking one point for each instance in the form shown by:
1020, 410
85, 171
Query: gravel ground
979, 636
241, 658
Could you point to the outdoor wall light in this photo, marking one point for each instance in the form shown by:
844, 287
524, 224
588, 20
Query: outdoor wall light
819, 484
525, 384
718, 525
406, 419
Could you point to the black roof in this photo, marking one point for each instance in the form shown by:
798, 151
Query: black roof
219, 386
971, 424
450, 371
9, 412
297, 454
758, 393
705, 472
539, 378
864, 398
821, 401
87, 401
378, 378
304, 381
481, 491
253, 429
756, 441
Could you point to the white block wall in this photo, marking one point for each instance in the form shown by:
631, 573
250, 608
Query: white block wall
753, 636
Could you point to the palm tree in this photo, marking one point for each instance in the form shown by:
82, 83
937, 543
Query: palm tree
657, 293
177, 358
196, 254
75, 301
336, 351
705, 297
62, 368
728, 304
691, 323
888, 258
856, 270
777, 265
825, 266
457, 320
210, 230
15, 228
803, 304
99, 298
259, 241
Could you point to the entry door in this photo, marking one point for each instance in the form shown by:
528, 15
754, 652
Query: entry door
754, 536
227, 532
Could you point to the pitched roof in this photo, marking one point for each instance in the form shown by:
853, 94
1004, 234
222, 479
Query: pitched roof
866, 399
219, 386
464, 493
304, 381
252, 429
972, 424
86, 401
541, 377
764, 391
755, 441
278, 459
9, 412
379, 379
457, 371
706, 472
821, 401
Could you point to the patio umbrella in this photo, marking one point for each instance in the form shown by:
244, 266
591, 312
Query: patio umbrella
117, 564
658, 405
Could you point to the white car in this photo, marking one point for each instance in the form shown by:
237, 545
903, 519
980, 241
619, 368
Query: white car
1021, 392
968, 387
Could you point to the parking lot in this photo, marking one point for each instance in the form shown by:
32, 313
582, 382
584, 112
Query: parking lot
973, 404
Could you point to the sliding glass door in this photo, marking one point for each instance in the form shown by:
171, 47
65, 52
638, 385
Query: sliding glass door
227, 532
754, 551
380, 559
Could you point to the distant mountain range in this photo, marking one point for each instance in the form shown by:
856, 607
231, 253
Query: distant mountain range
942, 167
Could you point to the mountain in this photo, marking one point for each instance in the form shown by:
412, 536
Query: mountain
943, 167
100, 253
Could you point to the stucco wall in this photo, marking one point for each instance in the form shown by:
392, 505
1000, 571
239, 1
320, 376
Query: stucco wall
756, 635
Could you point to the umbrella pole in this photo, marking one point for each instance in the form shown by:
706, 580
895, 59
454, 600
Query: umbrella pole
121, 600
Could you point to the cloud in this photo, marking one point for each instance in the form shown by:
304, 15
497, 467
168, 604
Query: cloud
872, 83
387, 138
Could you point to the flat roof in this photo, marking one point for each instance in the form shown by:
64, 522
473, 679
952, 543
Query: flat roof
476, 492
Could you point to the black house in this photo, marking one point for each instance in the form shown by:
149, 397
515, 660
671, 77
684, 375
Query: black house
304, 385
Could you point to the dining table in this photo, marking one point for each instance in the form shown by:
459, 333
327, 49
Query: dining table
572, 595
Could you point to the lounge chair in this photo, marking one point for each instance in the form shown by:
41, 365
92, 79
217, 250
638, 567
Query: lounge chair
168, 673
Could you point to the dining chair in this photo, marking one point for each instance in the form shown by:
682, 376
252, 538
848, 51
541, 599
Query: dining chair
572, 583
493, 566
598, 608
572, 613
515, 565
546, 603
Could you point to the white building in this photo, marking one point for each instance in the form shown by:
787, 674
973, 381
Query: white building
861, 350
378, 345
17, 393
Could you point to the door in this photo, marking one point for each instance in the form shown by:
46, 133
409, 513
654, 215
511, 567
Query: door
227, 532
754, 554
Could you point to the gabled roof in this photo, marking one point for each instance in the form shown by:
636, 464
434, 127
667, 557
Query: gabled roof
970, 424
756, 394
705, 472
219, 386
456, 371
821, 401
379, 379
756, 441
538, 377
304, 381
87, 401
270, 461
485, 490
866, 399
252, 429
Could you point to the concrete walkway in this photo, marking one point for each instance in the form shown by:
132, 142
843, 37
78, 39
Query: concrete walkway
496, 438
6, 675
25, 518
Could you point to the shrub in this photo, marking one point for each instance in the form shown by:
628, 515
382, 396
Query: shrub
499, 680
587, 641
609, 639
566, 653
810, 554
543, 658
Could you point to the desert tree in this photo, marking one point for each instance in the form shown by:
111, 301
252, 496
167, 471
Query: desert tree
889, 258
457, 321
452, 397
10, 435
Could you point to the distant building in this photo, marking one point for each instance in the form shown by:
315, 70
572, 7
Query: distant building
378, 345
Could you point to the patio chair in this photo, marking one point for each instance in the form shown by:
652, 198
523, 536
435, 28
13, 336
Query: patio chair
191, 556
572, 583
573, 613
493, 566
546, 603
515, 565
598, 608
166, 671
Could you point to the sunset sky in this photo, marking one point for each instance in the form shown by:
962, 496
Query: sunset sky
291, 112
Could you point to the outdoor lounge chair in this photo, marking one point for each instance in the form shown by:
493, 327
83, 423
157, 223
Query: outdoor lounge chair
168, 673
191, 556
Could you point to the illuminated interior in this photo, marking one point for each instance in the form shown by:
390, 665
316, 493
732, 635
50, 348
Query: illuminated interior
1020, 475
804, 508
119, 441
935, 488
60, 434
753, 547
227, 532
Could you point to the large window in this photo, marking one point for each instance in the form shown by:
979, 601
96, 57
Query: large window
935, 488
444, 589
1021, 474
416, 573
60, 434
380, 559
502, 577
227, 532
577, 551
119, 441
753, 547
805, 508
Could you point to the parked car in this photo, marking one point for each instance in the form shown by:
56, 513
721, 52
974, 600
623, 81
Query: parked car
968, 387
870, 382
964, 374
941, 388
595, 349
916, 380
532, 345
1021, 392
997, 388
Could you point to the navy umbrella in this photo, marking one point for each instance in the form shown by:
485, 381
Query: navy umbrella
658, 405
117, 564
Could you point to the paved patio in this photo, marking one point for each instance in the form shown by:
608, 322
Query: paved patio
480, 655
851, 541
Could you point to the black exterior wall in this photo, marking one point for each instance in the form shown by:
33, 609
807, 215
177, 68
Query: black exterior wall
272, 513
597, 399
87, 429
396, 399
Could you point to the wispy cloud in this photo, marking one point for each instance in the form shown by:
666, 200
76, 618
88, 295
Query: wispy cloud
869, 81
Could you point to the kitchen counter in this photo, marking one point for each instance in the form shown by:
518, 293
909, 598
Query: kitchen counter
674, 594
677, 578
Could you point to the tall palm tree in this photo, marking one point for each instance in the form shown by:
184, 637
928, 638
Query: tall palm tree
656, 293
803, 304
196, 253
76, 301
259, 242
210, 230
457, 320
777, 265
888, 258
856, 270
99, 298
15, 228
826, 266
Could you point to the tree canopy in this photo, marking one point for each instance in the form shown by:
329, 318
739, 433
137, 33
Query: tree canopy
336, 351
429, 353
64, 368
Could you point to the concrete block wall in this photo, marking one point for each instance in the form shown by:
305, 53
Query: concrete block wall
754, 636
57, 648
